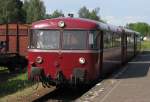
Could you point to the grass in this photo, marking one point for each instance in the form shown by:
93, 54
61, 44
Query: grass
2, 68
145, 45
14, 84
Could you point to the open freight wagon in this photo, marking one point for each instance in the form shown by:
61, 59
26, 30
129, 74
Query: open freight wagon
13, 46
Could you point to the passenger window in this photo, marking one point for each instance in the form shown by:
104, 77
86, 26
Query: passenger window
94, 39
116, 40
107, 40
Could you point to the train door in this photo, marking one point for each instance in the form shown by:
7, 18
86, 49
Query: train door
100, 52
95, 46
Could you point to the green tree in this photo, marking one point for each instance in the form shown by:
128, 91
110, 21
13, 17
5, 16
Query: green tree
57, 13
47, 16
94, 14
11, 11
84, 12
25, 7
141, 27
149, 30
35, 10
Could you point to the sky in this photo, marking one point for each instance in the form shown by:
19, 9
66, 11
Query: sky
116, 12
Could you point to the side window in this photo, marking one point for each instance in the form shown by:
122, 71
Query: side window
107, 40
94, 39
130, 39
116, 40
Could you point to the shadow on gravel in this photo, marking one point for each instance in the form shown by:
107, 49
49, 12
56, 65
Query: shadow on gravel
62, 95
139, 67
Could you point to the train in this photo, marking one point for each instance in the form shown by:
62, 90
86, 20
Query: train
13, 46
76, 51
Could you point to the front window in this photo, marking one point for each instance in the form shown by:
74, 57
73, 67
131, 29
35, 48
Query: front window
74, 40
45, 39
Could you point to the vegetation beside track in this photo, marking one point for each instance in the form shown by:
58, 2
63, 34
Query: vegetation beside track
2, 68
15, 82
145, 45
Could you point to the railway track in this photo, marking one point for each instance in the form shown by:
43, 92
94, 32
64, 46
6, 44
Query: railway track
49, 94
60, 95
40, 94
65, 95
44, 95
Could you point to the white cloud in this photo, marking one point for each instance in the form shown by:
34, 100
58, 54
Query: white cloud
109, 19
112, 20
133, 19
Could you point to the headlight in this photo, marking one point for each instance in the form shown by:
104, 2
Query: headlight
61, 24
39, 60
82, 60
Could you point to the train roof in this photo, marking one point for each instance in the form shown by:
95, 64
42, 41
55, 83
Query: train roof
70, 23
130, 31
77, 23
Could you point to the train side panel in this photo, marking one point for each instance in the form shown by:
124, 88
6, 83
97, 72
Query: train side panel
112, 55
14, 41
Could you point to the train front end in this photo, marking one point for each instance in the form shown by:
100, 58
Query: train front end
60, 52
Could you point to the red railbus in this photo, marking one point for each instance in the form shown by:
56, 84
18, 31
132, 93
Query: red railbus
77, 51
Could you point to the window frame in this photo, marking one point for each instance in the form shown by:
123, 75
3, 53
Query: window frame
62, 40
31, 33
112, 40
98, 36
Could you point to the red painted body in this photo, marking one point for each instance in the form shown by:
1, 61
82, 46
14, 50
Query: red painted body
66, 61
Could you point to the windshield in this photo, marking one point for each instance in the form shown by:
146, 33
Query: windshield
50, 39
45, 39
74, 40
